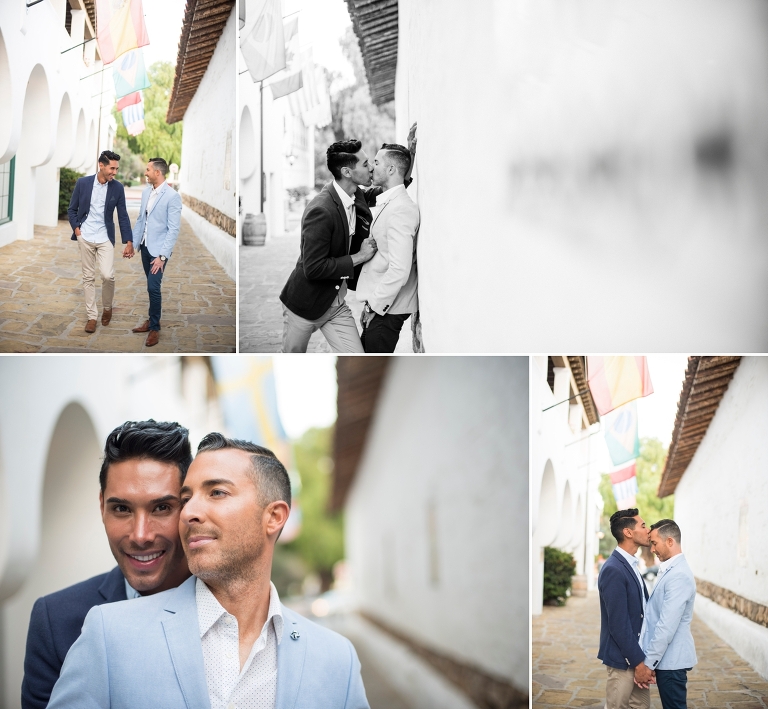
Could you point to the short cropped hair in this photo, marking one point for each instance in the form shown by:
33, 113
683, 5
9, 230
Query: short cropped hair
269, 475
621, 520
160, 164
399, 156
164, 442
342, 154
107, 156
667, 528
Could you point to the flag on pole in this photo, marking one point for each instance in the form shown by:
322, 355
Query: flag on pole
129, 100
129, 73
624, 482
119, 28
291, 83
261, 39
621, 433
320, 115
133, 117
304, 100
614, 381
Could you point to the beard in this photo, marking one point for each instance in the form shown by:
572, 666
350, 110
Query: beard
235, 560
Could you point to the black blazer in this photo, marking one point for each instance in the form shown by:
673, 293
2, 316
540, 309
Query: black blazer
621, 613
81, 203
324, 260
55, 624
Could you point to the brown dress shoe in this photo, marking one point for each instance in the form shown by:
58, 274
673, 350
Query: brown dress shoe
152, 339
90, 326
144, 327
106, 316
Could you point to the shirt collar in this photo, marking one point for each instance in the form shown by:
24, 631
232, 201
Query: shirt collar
159, 187
97, 183
665, 566
209, 610
389, 194
633, 560
130, 591
346, 200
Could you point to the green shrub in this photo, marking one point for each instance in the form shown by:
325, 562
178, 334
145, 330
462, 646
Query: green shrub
67, 179
559, 567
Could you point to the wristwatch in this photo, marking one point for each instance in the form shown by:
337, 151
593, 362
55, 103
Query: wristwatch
162, 258
368, 308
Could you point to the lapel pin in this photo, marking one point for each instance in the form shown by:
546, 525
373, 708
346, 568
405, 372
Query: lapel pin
295, 635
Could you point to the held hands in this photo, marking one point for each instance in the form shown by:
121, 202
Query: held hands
644, 676
157, 265
128, 251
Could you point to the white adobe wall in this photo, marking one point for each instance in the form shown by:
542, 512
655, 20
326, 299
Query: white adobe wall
607, 147
438, 513
721, 505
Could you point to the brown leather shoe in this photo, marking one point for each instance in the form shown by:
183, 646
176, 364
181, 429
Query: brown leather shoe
90, 326
106, 316
152, 339
144, 327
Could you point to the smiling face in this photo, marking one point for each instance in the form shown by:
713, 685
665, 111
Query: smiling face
153, 176
109, 171
140, 507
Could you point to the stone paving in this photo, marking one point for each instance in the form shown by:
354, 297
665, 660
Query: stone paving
263, 273
566, 671
42, 307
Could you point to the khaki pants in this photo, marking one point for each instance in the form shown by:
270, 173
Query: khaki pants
622, 693
337, 324
103, 256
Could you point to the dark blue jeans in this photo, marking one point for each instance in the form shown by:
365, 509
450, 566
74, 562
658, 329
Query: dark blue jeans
154, 280
673, 688
383, 332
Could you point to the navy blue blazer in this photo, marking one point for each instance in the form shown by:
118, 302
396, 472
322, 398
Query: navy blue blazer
53, 628
621, 613
81, 203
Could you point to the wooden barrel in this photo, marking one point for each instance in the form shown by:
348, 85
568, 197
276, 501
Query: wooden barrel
579, 586
254, 230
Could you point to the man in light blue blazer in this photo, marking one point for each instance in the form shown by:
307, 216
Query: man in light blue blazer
222, 638
154, 235
666, 636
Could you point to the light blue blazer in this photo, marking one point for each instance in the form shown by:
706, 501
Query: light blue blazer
163, 222
667, 640
146, 652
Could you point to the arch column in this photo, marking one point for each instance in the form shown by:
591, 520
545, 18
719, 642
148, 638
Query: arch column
547, 527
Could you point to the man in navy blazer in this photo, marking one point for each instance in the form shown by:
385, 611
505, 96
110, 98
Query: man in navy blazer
140, 480
223, 638
91, 216
623, 596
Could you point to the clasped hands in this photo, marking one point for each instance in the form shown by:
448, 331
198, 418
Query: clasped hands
644, 676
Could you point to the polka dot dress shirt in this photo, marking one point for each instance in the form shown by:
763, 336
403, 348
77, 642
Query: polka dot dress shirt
255, 686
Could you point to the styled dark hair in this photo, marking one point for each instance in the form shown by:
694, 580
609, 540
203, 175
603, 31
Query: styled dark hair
621, 520
667, 528
164, 442
399, 155
269, 475
160, 164
107, 156
342, 154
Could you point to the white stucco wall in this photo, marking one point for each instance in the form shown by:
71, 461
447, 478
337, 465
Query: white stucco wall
611, 145
439, 507
721, 503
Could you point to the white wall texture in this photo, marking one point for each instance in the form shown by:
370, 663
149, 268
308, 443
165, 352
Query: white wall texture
439, 507
55, 416
612, 146
721, 503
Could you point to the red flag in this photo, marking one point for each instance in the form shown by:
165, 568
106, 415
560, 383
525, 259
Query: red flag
614, 381
129, 100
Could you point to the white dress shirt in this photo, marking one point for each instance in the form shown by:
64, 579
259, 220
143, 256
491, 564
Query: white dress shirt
349, 207
229, 687
93, 229
153, 195
382, 200
634, 562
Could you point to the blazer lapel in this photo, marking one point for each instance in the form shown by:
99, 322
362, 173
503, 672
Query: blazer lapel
182, 633
88, 189
342, 215
631, 573
113, 587
290, 661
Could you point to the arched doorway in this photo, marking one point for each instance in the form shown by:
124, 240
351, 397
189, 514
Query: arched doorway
73, 546
547, 526
6, 105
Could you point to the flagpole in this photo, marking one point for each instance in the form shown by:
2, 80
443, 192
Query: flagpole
261, 144
98, 134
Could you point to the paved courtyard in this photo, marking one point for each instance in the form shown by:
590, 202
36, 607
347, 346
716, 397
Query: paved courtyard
42, 307
263, 273
567, 673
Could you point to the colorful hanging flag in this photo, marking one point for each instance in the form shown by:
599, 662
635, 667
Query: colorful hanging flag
129, 100
624, 483
119, 28
261, 39
286, 86
133, 118
320, 115
614, 381
129, 73
306, 99
621, 433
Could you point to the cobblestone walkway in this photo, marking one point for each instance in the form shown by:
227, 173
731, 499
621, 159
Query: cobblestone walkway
263, 273
42, 307
566, 671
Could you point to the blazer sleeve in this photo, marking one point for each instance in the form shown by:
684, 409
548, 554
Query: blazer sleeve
122, 217
138, 227
316, 235
174, 224
356, 698
677, 592
41, 663
613, 590
84, 680
401, 230
73, 204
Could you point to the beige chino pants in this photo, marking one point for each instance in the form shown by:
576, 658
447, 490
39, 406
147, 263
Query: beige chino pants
621, 692
101, 256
